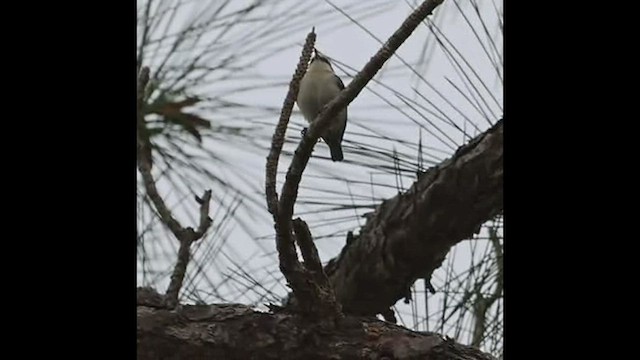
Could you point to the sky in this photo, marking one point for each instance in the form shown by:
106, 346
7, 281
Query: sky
419, 95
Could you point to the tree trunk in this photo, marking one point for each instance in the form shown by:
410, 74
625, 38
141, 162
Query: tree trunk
233, 331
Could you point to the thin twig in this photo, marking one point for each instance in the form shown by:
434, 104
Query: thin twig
320, 297
144, 160
143, 143
296, 275
285, 114
177, 276
186, 236
482, 303
308, 250
205, 220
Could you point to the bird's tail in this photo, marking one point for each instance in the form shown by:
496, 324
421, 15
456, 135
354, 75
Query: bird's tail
336, 150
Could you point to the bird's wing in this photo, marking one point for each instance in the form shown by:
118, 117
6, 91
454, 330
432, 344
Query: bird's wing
339, 82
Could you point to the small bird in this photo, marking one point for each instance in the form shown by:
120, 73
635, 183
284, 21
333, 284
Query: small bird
317, 88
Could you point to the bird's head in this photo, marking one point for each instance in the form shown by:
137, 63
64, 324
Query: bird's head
319, 62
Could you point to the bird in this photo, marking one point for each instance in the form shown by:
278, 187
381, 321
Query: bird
318, 87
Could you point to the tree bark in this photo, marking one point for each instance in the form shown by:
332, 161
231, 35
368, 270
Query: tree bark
409, 235
233, 331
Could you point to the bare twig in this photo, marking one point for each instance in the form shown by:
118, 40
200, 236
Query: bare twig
482, 303
179, 270
205, 220
189, 236
285, 114
144, 159
144, 146
321, 298
186, 236
307, 248
300, 280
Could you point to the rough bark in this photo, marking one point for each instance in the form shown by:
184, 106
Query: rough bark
233, 331
409, 235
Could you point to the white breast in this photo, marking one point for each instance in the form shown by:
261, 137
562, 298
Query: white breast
317, 88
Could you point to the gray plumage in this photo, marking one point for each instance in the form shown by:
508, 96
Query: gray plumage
317, 88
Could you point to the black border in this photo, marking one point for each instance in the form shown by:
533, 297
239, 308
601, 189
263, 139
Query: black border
71, 224
72, 243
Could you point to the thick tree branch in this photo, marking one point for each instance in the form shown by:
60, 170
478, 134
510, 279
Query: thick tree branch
234, 331
186, 236
409, 235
